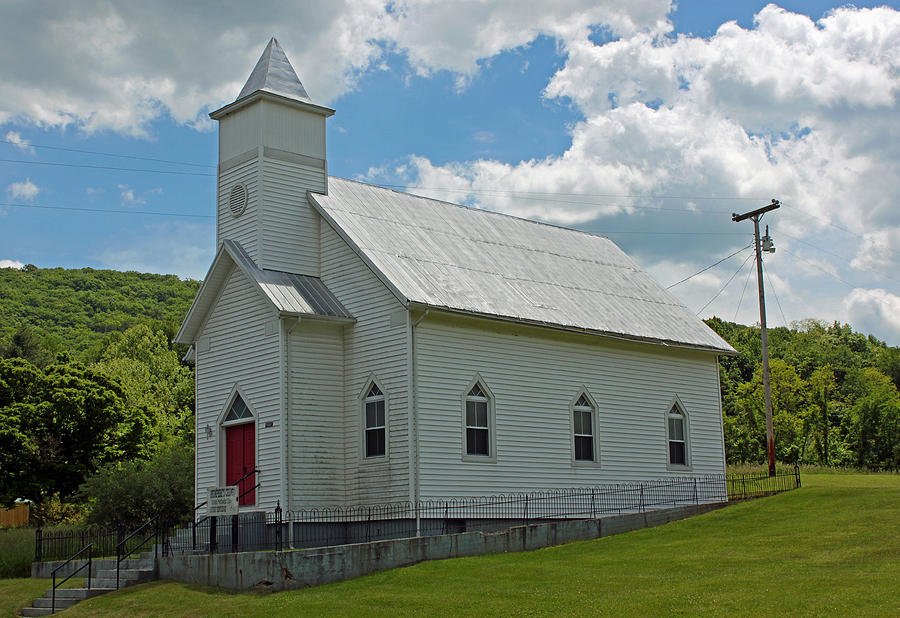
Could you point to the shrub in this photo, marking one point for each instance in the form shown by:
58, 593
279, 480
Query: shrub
137, 490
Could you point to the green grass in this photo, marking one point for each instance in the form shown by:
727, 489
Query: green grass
16, 552
832, 547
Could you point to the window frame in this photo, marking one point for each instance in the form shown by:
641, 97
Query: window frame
364, 399
676, 403
491, 457
595, 427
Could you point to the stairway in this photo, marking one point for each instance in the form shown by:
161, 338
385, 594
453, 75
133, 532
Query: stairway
133, 571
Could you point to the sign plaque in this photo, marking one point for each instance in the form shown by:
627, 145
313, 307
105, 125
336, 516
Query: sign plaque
222, 501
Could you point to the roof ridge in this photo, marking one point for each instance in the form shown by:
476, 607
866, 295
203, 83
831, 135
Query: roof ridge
479, 210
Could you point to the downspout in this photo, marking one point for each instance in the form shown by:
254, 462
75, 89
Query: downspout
412, 423
286, 419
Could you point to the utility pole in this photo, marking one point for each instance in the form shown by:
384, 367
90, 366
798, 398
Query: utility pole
768, 247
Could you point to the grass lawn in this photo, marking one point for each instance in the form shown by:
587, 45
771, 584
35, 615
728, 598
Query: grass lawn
830, 548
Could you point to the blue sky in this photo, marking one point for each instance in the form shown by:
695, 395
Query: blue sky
649, 124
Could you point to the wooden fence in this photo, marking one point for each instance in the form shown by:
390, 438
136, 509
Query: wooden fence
14, 517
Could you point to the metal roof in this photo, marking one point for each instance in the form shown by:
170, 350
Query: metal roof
273, 73
287, 293
464, 259
290, 293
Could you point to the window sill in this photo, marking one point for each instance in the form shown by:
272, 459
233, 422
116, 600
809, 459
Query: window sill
678, 468
480, 458
585, 463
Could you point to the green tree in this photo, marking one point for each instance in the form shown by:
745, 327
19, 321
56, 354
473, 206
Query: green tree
158, 391
56, 426
139, 489
875, 432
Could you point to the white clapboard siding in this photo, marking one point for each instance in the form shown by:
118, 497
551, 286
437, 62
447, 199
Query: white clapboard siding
243, 229
535, 375
240, 354
316, 397
290, 226
372, 347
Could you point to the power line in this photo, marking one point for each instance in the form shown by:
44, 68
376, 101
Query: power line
741, 301
627, 195
839, 256
105, 154
104, 210
726, 284
772, 285
708, 267
105, 167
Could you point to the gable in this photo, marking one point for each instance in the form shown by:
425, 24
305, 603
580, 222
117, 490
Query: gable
286, 294
468, 260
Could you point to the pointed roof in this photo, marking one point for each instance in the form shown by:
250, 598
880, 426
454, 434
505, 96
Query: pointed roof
288, 294
274, 73
273, 78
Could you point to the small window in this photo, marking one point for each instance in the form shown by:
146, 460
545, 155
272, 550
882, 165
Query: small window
477, 423
374, 421
677, 437
238, 411
583, 413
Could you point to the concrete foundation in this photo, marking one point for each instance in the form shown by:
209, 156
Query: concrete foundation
300, 568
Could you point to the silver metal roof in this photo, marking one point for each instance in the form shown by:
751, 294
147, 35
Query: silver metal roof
287, 293
274, 73
464, 259
290, 293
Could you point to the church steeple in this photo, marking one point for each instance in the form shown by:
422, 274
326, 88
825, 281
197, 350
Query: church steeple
271, 153
274, 73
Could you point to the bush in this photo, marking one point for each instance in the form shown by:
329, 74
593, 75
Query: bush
52, 511
16, 552
137, 490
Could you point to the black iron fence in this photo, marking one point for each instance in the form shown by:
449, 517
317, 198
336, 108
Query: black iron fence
318, 527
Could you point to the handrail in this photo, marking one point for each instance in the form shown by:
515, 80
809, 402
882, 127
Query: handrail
90, 550
120, 556
196, 522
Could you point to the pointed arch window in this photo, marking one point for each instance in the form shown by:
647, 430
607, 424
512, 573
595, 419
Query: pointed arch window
478, 431
584, 429
238, 411
676, 428
375, 425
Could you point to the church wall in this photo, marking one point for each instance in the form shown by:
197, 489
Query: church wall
374, 347
240, 354
535, 376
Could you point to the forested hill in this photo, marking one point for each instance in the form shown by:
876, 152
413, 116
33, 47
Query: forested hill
75, 310
834, 393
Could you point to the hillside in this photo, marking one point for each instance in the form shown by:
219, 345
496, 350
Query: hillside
74, 310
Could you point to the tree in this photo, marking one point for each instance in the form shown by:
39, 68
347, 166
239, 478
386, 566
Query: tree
875, 432
138, 490
56, 427
821, 386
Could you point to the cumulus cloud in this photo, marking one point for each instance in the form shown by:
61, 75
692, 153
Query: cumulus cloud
24, 190
875, 310
11, 264
126, 64
878, 252
15, 138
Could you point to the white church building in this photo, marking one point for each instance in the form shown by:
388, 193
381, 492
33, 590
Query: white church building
358, 345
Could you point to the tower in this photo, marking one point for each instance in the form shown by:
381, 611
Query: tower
271, 152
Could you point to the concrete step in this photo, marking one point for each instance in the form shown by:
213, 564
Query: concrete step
35, 611
143, 577
60, 603
124, 573
79, 593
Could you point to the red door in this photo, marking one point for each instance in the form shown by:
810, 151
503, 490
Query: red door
240, 459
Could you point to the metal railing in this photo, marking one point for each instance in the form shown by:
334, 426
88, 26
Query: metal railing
324, 526
89, 564
123, 550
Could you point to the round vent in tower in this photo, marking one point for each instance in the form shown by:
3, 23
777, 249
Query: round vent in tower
238, 200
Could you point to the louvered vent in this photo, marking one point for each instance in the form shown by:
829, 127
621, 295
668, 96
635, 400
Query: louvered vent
238, 200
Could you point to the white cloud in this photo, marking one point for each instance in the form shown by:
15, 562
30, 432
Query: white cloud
11, 264
15, 138
878, 252
127, 196
119, 66
24, 190
875, 310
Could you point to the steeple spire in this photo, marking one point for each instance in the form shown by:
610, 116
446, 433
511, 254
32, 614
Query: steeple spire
274, 73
